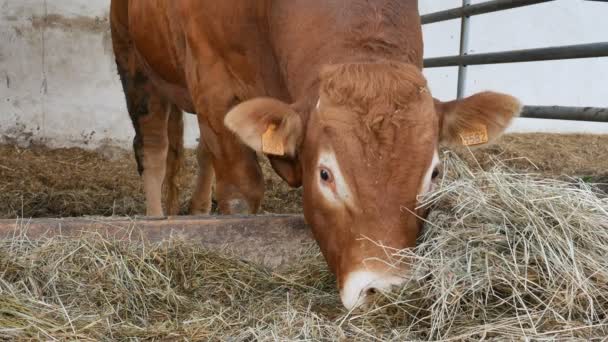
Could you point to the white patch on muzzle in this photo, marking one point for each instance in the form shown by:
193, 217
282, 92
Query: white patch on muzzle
359, 284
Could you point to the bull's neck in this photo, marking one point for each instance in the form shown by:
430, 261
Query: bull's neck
307, 35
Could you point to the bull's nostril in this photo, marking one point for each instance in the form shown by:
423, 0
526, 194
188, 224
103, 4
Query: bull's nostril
361, 287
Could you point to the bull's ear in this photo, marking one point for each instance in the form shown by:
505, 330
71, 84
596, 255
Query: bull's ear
477, 119
266, 125
271, 127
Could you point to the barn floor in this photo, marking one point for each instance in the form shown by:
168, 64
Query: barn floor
43, 182
534, 266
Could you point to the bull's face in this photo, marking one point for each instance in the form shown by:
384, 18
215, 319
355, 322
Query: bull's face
364, 154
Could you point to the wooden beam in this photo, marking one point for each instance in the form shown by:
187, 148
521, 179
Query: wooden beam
272, 240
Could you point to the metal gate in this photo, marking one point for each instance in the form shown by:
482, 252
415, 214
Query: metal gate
528, 55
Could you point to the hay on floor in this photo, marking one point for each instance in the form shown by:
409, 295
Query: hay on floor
42, 182
505, 255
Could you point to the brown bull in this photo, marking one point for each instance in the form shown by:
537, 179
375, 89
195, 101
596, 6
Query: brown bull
331, 91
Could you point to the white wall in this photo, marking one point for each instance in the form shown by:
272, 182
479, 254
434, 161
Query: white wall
58, 79
58, 82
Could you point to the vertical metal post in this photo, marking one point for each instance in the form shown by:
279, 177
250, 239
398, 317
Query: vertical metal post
464, 48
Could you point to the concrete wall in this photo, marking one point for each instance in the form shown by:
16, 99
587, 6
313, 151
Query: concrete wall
58, 80
58, 83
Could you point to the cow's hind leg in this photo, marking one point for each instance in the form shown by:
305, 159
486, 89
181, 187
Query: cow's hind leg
148, 111
149, 114
153, 128
201, 197
175, 157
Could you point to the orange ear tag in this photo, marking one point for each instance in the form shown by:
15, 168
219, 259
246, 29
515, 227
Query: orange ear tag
475, 136
272, 143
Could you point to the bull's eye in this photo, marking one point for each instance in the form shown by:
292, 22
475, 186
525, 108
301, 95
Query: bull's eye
435, 173
326, 175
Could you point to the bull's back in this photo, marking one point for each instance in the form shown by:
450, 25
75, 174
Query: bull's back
262, 43
218, 32
154, 30
147, 41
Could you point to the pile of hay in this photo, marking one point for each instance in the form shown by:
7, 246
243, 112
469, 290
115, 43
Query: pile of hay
507, 255
41, 182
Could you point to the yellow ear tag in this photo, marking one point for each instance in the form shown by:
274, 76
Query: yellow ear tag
476, 136
272, 143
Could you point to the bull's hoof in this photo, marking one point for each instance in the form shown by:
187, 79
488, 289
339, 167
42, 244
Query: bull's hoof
238, 207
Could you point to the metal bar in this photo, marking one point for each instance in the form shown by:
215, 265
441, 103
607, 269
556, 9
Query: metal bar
592, 114
482, 8
464, 48
528, 55
272, 240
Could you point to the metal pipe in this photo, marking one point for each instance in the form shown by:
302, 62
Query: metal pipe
528, 55
482, 8
464, 48
592, 114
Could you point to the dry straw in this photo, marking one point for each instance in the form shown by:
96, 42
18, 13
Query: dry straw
505, 255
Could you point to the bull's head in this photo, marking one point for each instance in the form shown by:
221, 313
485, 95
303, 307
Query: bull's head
364, 155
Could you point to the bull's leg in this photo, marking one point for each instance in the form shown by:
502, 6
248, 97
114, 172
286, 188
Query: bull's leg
175, 157
149, 115
201, 197
154, 148
239, 185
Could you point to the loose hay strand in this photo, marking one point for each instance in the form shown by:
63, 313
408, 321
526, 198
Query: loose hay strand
505, 255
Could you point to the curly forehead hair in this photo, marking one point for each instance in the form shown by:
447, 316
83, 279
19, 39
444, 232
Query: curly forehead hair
380, 95
365, 86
